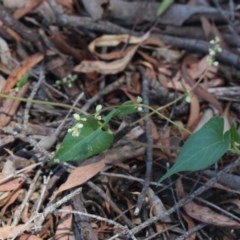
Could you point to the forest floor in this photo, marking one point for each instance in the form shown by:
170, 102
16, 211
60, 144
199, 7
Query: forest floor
97, 99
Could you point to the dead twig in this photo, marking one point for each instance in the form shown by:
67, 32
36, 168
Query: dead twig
111, 87
33, 93
200, 46
18, 212
18, 27
112, 204
149, 140
188, 198
111, 222
64, 20
190, 232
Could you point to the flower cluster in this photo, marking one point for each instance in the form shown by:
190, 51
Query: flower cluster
68, 80
213, 51
139, 104
98, 111
76, 129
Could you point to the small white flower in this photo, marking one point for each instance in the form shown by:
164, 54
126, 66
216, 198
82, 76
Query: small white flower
213, 51
188, 98
79, 125
219, 50
99, 108
139, 99
98, 117
97, 114
212, 41
75, 131
76, 116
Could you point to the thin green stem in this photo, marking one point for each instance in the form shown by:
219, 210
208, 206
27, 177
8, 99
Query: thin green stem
40, 102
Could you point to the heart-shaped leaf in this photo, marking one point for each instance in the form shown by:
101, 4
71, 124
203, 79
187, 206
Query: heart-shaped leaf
202, 149
91, 141
93, 137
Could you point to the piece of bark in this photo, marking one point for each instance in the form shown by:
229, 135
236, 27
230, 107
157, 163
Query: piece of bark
176, 15
81, 226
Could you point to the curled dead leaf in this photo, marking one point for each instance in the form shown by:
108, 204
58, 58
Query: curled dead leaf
18, 73
80, 175
102, 67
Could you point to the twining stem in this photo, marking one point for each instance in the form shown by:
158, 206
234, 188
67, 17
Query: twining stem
40, 102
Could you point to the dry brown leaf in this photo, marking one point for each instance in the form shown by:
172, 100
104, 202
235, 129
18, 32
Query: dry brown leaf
114, 55
8, 167
26, 213
206, 116
2, 82
119, 154
28, 7
67, 4
204, 214
155, 41
65, 47
25, 236
157, 207
64, 227
6, 139
197, 68
149, 59
17, 74
11, 231
106, 67
11, 185
199, 90
190, 224
114, 66
114, 40
12, 33
14, 3
10, 106
80, 175
168, 55
6, 57
206, 27
10, 200
194, 112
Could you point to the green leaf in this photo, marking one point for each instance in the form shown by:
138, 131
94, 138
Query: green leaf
126, 108
235, 137
23, 81
202, 149
91, 141
164, 5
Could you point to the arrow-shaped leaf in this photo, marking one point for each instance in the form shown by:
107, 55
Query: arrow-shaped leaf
202, 149
91, 141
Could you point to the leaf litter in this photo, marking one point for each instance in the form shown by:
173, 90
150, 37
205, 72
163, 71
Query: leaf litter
100, 46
